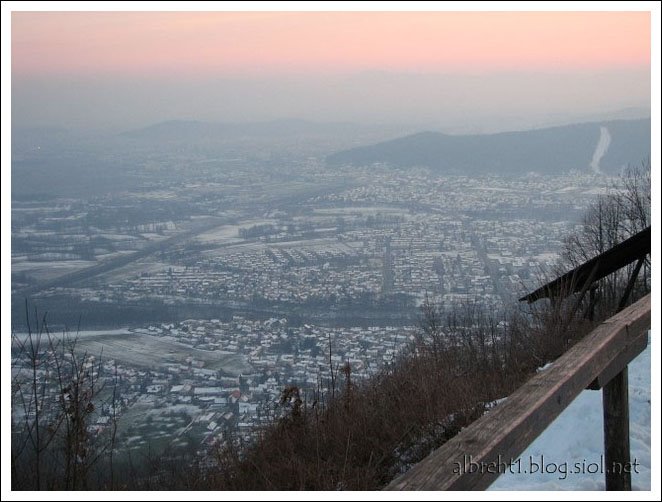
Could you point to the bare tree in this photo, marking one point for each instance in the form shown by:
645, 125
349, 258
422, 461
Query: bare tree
614, 217
54, 390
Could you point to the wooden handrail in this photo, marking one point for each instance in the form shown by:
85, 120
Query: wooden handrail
474, 458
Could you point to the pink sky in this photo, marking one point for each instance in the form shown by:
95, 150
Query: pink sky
136, 44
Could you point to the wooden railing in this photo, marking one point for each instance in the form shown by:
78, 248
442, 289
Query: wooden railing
474, 458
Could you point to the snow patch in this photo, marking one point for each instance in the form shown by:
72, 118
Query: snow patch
545, 367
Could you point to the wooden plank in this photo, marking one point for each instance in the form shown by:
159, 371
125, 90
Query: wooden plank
631, 351
477, 455
617, 433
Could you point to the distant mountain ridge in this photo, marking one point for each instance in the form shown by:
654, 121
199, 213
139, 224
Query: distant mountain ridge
550, 150
187, 130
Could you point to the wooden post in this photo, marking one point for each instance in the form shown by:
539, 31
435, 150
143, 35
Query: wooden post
590, 313
630, 285
617, 432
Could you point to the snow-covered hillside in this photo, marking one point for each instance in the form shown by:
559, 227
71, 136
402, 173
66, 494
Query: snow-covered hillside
571, 449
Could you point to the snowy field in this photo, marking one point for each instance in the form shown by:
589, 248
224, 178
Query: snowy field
571, 449
146, 351
47, 270
230, 233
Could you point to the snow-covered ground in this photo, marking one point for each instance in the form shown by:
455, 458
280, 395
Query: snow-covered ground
571, 448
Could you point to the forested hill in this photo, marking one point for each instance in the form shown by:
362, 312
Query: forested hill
607, 146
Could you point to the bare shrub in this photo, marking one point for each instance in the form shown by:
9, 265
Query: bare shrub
54, 391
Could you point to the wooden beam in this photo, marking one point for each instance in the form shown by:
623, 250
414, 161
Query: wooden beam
632, 350
616, 414
474, 458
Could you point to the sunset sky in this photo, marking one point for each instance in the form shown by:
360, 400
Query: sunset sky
66, 66
259, 43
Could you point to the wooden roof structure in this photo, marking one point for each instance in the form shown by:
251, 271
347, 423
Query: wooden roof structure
578, 279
